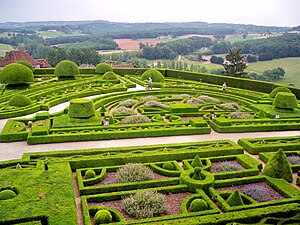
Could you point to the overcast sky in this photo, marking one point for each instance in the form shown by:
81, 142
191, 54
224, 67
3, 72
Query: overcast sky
259, 12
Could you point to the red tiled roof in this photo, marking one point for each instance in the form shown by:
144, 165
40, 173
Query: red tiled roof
15, 56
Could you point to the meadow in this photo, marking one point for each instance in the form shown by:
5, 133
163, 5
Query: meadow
5, 48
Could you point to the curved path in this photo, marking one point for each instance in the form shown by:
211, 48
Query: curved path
15, 150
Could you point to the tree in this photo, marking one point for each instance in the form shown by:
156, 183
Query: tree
235, 63
216, 60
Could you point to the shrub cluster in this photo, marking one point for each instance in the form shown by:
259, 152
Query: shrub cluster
81, 108
240, 115
155, 75
231, 106
128, 102
284, 100
132, 172
135, 119
19, 100
102, 68
122, 110
195, 101
150, 98
181, 96
168, 166
155, 104
145, 204
209, 99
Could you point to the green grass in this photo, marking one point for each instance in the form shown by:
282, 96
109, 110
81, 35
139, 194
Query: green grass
239, 38
208, 66
103, 52
290, 65
5, 48
54, 34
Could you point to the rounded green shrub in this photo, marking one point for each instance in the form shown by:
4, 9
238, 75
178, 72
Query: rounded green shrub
66, 68
132, 172
145, 204
155, 75
81, 108
25, 63
16, 73
7, 194
198, 205
110, 76
279, 89
284, 100
102, 68
103, 216
90, 174
19, 100
168, 166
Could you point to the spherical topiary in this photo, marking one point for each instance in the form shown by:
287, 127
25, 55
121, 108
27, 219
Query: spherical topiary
89, 174
284, 100
66, 68
102, 68
279, 89
25, 63
110, 76
16, 73
19, 100
168, 166
7, 194
102, 217
155, 75
81, 108
198, 205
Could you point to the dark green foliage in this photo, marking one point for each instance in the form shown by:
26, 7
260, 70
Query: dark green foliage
90, 174
279, 89
284, 100
235, 199
155, 75
216, 60
197, 162
168, 166
81, 108
145, 204
102, 68
19, 100
66, 68
16, 73
7, 194
110, 76
235, 63
279, 167
25, 63
198, 205
197, 175
102, 217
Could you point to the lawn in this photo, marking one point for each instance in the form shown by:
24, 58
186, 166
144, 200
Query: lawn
5, 48
290, 65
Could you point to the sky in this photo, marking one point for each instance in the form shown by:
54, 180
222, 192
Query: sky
258, 12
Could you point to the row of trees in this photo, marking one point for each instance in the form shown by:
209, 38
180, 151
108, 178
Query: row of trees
170, 50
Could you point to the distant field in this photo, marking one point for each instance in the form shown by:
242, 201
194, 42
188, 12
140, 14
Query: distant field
5, 48
290, 65
238, 38
103, 52
130, 44
54, 34
208, 66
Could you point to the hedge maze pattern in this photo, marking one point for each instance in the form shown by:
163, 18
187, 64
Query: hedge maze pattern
212, 182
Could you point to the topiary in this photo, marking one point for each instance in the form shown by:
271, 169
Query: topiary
197, 175
235, 199
7, 194
279, 89
66, 69
155, 75
25, 63
19, 100
110, 76
284, 100
102, 68
132, 172
81, 108
16, 73
168, 166
103, 216
279, 167
196, 162
90, 174
145, 204
198, 205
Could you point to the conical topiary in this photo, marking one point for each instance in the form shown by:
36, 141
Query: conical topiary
279, 167
235, 199
197, 175
197, 162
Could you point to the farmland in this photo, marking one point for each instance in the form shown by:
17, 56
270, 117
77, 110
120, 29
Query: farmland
55, 34
5, 48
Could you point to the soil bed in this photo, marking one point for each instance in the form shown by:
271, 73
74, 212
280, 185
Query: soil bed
217, 166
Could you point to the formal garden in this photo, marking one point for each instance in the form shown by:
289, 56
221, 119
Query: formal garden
253, 181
